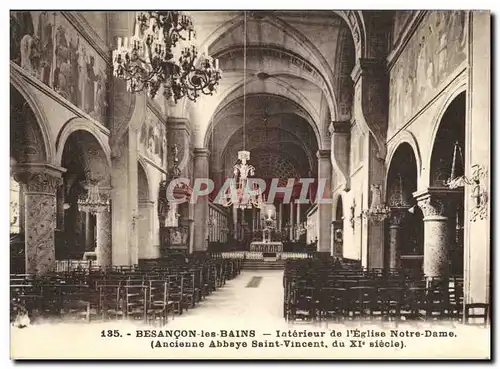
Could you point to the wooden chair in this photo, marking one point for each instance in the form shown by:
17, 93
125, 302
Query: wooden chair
159, 304
136, 301
76, 302
111, 301
471, 314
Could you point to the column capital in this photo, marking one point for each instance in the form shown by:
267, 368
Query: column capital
144, 203
323, 154
44, 178
368, 68
201, 151
437, 202
397, 216
178, 123
339, 127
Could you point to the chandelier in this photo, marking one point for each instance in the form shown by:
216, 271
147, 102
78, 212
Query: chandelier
150, 59
377, 211
244, 195
93, 202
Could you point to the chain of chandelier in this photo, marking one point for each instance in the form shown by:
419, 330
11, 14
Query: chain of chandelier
160, 54
244, 195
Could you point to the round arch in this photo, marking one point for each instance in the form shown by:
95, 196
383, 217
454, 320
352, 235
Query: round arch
451, 131
300, 112
309, 47
49, 146
144, 182
79, 124
405, 137
451, 96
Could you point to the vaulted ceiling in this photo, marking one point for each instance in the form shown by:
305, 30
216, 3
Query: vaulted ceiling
293, 75
294, 72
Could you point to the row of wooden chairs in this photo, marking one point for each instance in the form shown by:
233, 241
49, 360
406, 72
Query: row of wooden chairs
321, 290
152, 294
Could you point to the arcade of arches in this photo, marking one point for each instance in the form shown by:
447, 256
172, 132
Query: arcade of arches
382, 105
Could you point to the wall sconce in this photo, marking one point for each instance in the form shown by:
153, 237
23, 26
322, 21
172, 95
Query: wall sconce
478, 190
352, 218
135, 217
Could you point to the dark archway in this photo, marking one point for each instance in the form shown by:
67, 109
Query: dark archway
84, 159
447, 163
406, 228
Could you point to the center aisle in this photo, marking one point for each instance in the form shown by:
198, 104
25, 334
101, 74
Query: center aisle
263, 301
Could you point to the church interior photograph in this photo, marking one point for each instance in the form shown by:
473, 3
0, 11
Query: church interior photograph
302, 166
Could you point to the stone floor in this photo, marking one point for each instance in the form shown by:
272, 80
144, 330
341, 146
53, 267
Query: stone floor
238, 307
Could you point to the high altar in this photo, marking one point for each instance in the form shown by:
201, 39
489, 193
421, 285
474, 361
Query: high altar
267, 245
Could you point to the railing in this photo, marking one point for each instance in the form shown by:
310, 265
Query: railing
253, 255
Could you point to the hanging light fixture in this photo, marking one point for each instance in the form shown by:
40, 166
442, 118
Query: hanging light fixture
150, 59
476, 183
377, 211
247, 195
93, 201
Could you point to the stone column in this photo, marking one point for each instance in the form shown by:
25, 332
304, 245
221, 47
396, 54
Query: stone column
235, 222
146, 213
324, 206
436, 235
201, 205
280, 216
254, 220
120, 214
40, 187
89, 239
395, 221
60, 208
292, 236
478, 146
104, 249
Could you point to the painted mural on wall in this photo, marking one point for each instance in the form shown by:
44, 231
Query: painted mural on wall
153, 138
432, 55
48, 47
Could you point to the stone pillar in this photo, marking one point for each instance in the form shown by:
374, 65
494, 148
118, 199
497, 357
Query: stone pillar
60, 208
40, 187
478, 145
254, 220
395, 221
292, 235
280, 216
436, 235
120, 214
146, 224
89, 239
324, 205
340, 149
235, 222
201, 205
133, 198
104, 249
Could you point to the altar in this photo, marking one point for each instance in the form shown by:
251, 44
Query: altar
259, 246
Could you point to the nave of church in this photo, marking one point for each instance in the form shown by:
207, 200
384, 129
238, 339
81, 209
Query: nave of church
303, 166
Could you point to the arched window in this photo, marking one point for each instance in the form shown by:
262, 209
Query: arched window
14, 206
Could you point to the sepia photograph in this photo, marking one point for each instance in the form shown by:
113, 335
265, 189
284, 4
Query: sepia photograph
250, 184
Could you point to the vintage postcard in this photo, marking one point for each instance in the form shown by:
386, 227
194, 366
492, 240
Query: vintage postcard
250, 184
